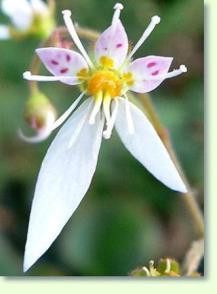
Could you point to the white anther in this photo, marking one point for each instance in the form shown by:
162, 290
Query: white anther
70, 26
183, 68
27, 75
67, 12
154, 21
118, 6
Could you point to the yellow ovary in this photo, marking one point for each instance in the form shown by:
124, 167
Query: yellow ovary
106, 82
106, 62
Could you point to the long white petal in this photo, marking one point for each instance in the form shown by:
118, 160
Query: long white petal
64, 178
145, 145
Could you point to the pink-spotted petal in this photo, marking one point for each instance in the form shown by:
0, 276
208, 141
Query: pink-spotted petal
145, 68
62, 62
113, 43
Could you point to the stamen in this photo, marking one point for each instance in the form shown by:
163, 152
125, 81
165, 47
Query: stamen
106, 107
96, 108
69, 24
66, 114
154, 21
182, 69
146, 271
168, 266
130, 123
28, 76
118, 7
107, 133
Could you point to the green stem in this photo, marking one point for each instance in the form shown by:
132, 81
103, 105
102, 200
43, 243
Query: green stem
188, 198
52, 6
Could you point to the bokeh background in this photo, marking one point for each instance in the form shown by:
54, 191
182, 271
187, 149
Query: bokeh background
127, 217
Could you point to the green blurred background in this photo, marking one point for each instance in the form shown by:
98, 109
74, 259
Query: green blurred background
127, 217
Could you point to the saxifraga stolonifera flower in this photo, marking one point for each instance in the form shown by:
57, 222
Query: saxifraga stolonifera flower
70, 162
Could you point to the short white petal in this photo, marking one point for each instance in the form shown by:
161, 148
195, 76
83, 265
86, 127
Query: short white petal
147, 148
64, 178
20, 12
4, 32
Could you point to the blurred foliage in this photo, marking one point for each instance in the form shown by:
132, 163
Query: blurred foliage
127, 217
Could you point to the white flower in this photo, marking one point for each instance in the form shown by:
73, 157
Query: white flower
70, 162
22, 14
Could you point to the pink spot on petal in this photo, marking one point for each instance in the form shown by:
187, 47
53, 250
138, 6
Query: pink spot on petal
54, 62
119, 45
155, 73
151, 64
64, 70
68, 57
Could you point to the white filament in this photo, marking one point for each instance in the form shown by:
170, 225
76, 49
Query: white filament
118, 7
168, 266
66, 114
96, 108
28, 76
130, 123
110, 124
106, 108
154, 21
72, 31
146, 271
168, 75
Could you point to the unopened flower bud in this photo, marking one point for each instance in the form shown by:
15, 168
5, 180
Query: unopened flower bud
40, 115
42, 26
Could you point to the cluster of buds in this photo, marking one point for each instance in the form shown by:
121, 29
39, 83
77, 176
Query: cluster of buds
27, 18
166, 267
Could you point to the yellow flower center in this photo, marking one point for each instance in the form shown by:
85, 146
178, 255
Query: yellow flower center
105, 81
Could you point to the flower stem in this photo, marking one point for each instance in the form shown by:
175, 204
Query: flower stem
52, 6
188, 198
